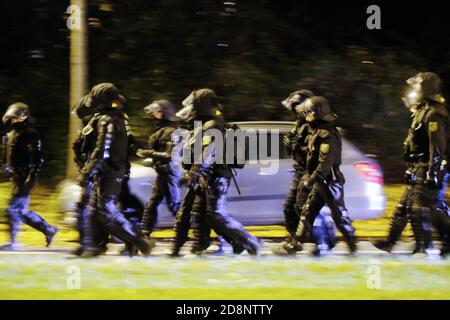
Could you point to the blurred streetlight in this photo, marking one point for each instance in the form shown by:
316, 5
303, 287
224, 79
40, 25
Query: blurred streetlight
78, 71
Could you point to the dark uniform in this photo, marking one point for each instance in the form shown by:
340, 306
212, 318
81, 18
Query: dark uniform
107, 166
425, 152
24, 158
213, 179
82, 147
160, 147
325, 181
296, 143
183, 223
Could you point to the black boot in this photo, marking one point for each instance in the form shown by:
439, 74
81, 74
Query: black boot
181, 228
201, 231
288, 249
35, 221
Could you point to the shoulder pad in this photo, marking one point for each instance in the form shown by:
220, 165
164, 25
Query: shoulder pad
210, 125
170, 130
437, 110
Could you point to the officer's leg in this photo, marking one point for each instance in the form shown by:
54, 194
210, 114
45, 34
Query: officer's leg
222, 223
111, 218
200, 226
89, 242
441, 222
324, 230
171, 191
150, 217
334, 197
34, 220
116, 224
289, 210
422, 201
310, 210
82, 213
309, 202
183, 221
398, 223
16, 206
441, 219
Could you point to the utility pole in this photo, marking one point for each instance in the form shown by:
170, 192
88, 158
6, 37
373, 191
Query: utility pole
77, 25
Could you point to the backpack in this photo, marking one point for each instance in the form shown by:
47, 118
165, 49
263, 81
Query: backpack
84, 143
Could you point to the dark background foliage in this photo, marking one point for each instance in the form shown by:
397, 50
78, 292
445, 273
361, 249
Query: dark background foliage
253, 54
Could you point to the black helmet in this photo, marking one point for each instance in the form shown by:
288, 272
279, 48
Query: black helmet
84, 108
202, 103
317, 106
424, 85
166, 107
16, 110
296, 98
105, 95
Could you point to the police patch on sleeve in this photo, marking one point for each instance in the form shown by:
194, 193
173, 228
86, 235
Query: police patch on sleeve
433, 126
324, 148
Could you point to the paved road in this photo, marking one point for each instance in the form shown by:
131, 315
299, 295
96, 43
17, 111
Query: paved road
162, 248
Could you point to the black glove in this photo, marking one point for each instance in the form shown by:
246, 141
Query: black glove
431, 182
409, 177
194, 175
186, 180
142, 153
82, 179
287, 140
307, 185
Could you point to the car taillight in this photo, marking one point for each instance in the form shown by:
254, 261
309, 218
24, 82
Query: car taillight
370, 172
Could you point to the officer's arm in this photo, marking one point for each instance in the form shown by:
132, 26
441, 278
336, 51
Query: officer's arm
3, 151
202, 166
163, 156
37, 159
302, 136
130, 135
437, 144
289, 139
325, 160
101, 152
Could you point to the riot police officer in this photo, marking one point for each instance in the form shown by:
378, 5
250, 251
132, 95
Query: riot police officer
296, 145
295, 142
325, 182
160, 148
24, 159
212, 176
82, 147
425, 152
107, 165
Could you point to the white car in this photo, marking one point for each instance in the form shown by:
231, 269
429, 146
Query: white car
262, 194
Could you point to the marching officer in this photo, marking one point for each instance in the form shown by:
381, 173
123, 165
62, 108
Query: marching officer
325, 182
212, 177
161, 145
107, 166
425, 152
296, 142
24, 160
